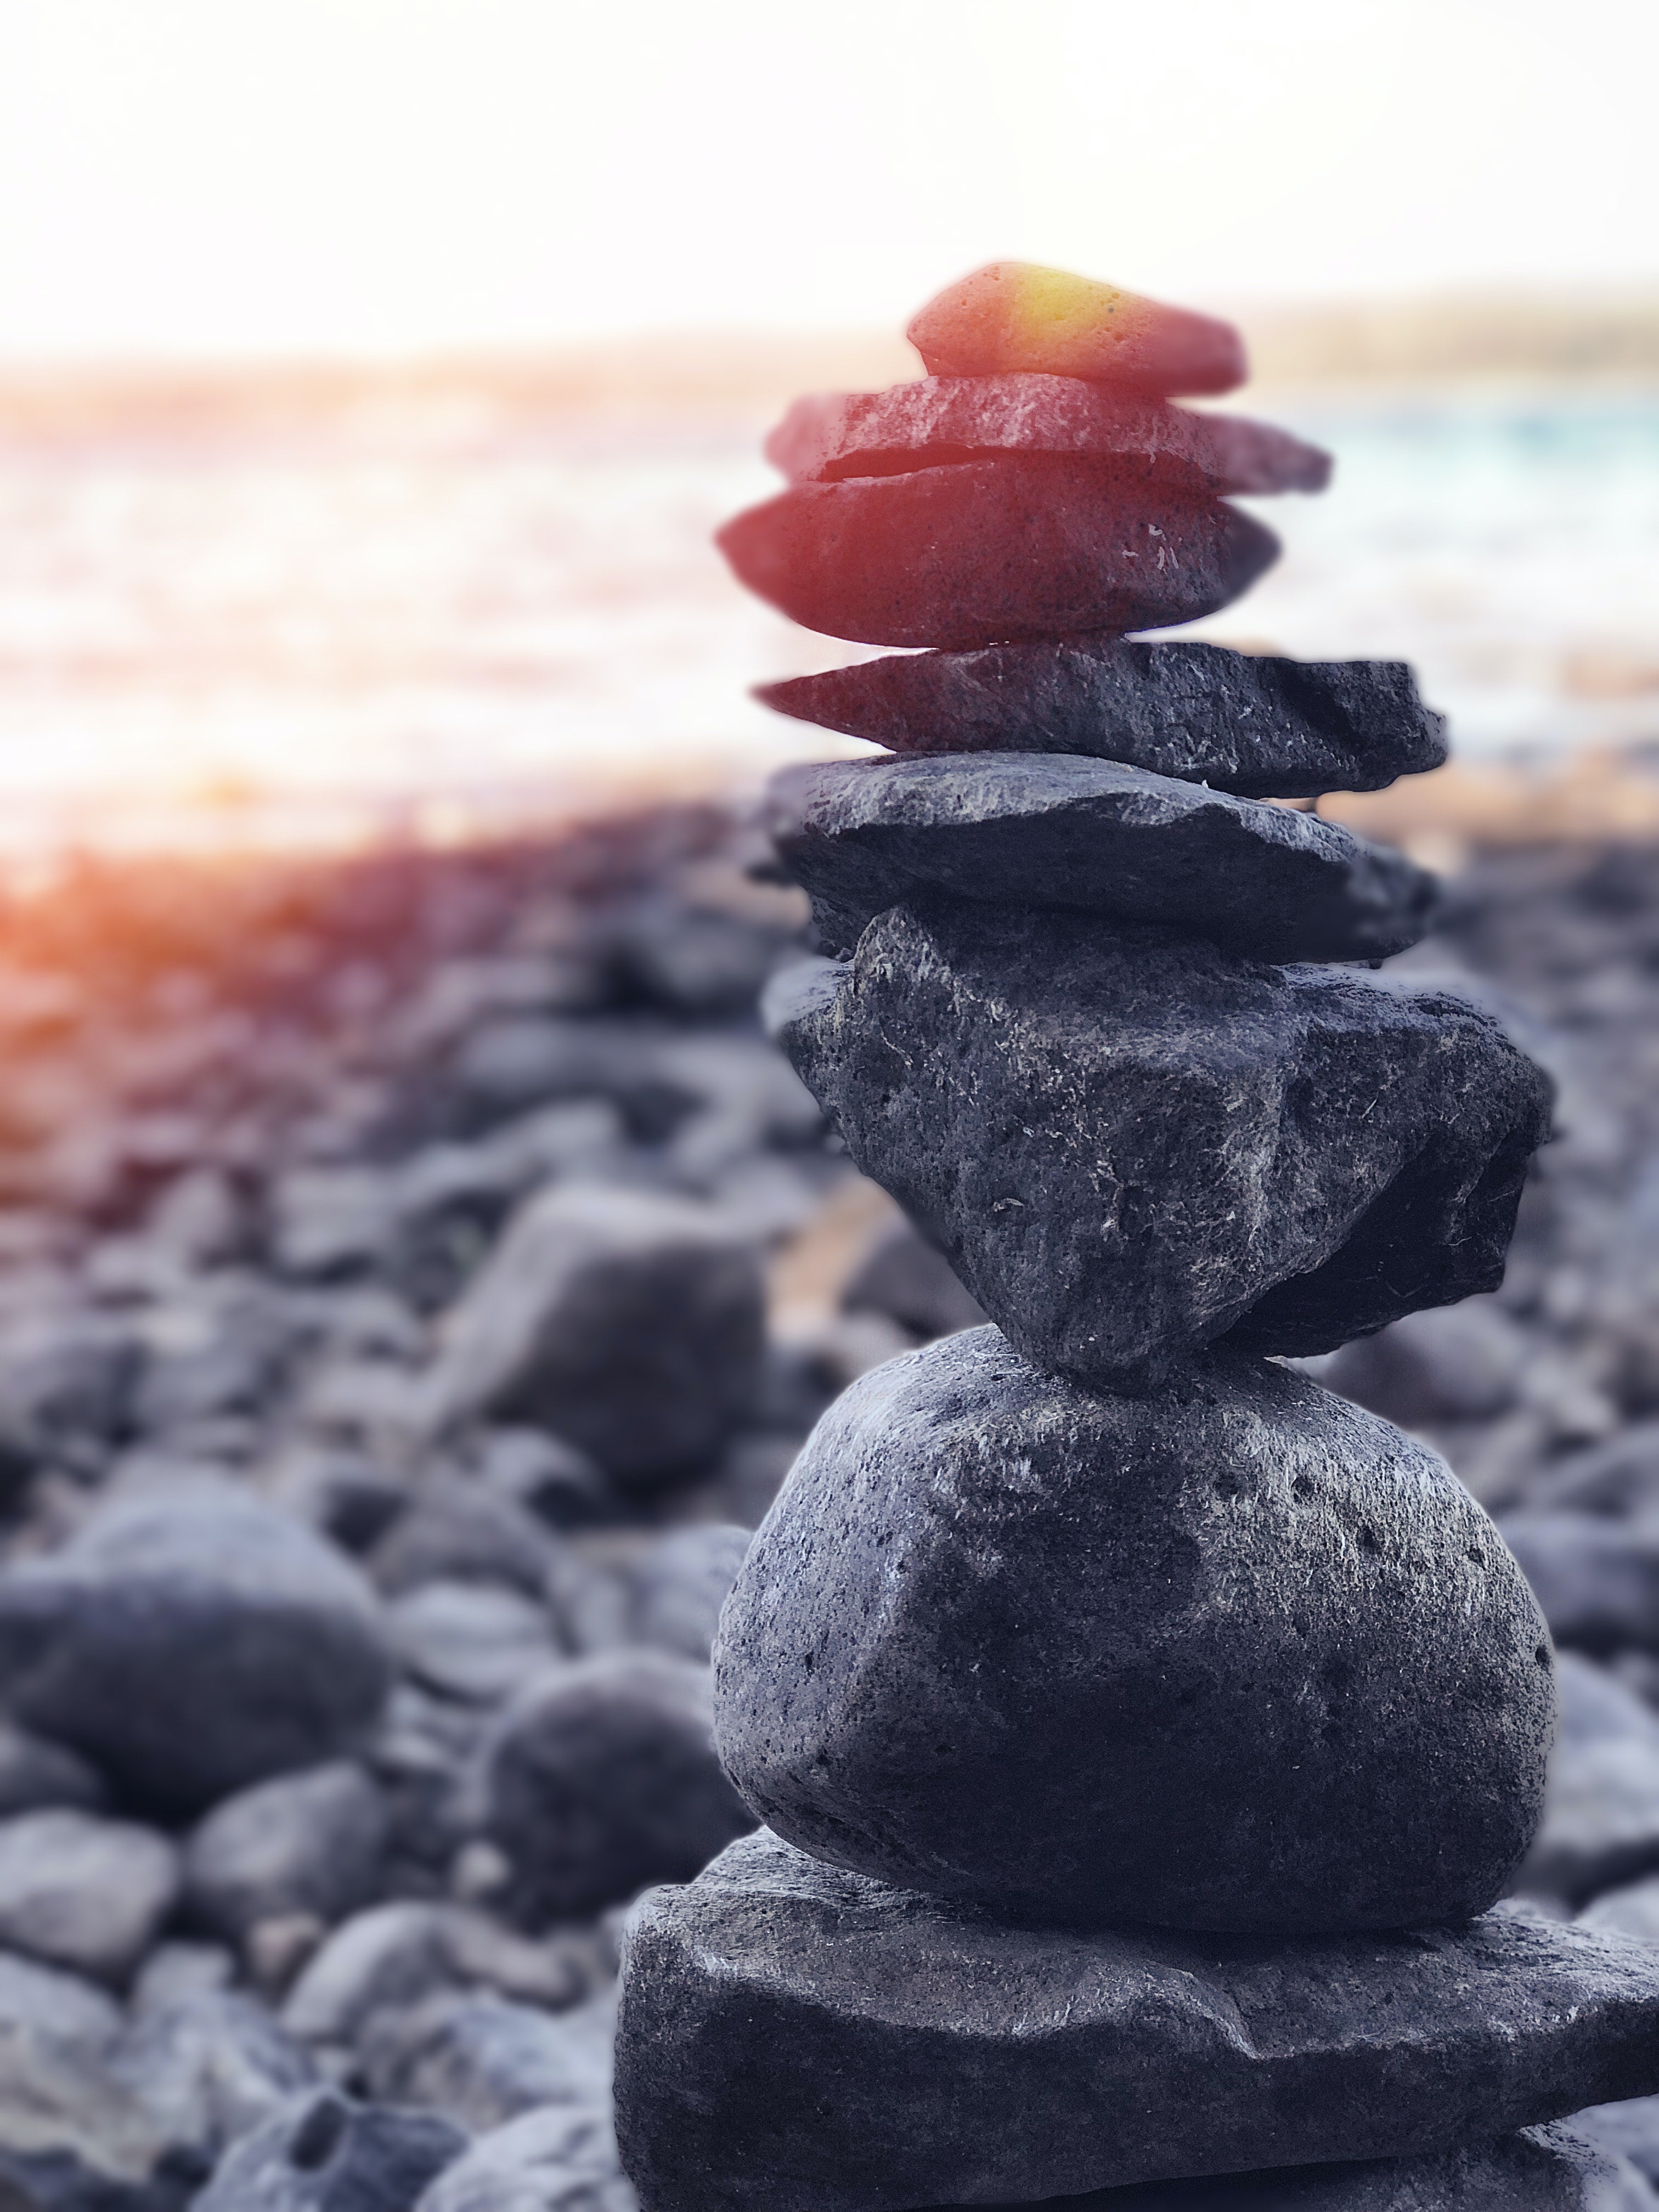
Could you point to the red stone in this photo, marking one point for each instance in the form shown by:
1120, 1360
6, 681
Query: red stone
1014, 315
994, 551
941, 419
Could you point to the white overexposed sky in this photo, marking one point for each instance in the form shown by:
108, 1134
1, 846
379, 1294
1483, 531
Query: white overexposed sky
181, 176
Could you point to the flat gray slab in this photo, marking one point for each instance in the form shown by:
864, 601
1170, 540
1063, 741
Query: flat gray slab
794, 2036
1253, 723
1056, 831
938, 420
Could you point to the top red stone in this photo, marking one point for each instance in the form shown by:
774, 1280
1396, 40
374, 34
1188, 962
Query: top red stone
1012, 315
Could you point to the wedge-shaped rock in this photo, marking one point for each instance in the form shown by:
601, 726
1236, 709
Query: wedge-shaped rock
1128, 1145
941, 419
794, 2035
1026, 545
1018, 315
1055, 830
1266, 727
1235, 1655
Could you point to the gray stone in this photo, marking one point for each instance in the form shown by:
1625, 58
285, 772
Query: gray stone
322, 2152
35, 1773
992, 552
480, 2060
82, 1892
1457, 1363
1253, 723
561, 2158
191, 1644
1632, 1911
1056, 832
682, 1583
938, 420
905, 1277
1127, 1144
302, 1842
1600, 1824
601, 1777
460, 1529
178, 1970
975, 2063
466, 1640
209, 2069
1629, 2131
1597, 1579
58, 2098
1621, 1476
1236, 1656
630, 1323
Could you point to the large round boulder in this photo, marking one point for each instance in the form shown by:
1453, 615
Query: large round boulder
1234, 1655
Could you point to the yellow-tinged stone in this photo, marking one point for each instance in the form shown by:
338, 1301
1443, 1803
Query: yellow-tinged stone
1014, 315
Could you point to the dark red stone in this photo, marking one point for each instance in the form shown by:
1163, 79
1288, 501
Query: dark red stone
987, 552
940, 419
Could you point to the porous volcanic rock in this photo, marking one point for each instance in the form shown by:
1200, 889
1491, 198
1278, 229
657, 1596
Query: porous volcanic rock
940, 420
1235, 1655
1023, 546
1253, 723
1018, 315
1056, 831
1128, 1145
792, 2034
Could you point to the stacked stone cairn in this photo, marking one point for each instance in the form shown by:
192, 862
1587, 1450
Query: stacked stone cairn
1143, 1735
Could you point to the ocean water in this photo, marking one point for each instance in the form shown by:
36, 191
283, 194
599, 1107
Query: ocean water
450, 619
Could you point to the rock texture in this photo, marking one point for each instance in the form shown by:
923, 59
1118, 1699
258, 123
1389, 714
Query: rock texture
1253, 723
942, 420
323, 2153
1055, 832
1235, 1655
1023, 546
976, 2064
1129, 1145
1018, 315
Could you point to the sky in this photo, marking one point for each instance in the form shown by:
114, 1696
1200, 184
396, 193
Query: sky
259, 177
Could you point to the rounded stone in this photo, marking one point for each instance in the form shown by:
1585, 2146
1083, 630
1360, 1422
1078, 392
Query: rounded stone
1236, 1656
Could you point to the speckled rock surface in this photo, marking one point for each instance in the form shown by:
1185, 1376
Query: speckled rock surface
940, 420
1253, 723
1026, 545
1127, 1144
791, 2034
1054, 830
1235, 1655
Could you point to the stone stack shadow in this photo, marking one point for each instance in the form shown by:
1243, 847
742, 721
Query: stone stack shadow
1145, 1736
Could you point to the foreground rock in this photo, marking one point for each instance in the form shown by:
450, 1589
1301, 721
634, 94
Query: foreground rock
1055, 832
325, 2153
190, 1645
1023, 546
942, 420
1018, 315
1235, 1655
1253, 723
300, 1844
628, 1323
1129, 1145
1079, 2058
602, 1777
84, 1893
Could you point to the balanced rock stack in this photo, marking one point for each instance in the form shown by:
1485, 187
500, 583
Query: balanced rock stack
1143, 1735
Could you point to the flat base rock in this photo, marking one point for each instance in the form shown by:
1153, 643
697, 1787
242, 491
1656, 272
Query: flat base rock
1253, 723
940, 420
1026, 545
1538, 2170
1127, 1144
1053, 831
793, 2036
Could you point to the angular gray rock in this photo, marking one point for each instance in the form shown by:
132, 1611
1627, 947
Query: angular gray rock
301, 1843
1055, 832
1600, 1824
323, 2153
628, 1322
560, 2159
82, 1892
1253, 723
601, 1777
992, 552
1236, 1655
1127, 1144
190, 1645
940, 420
978, 2063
